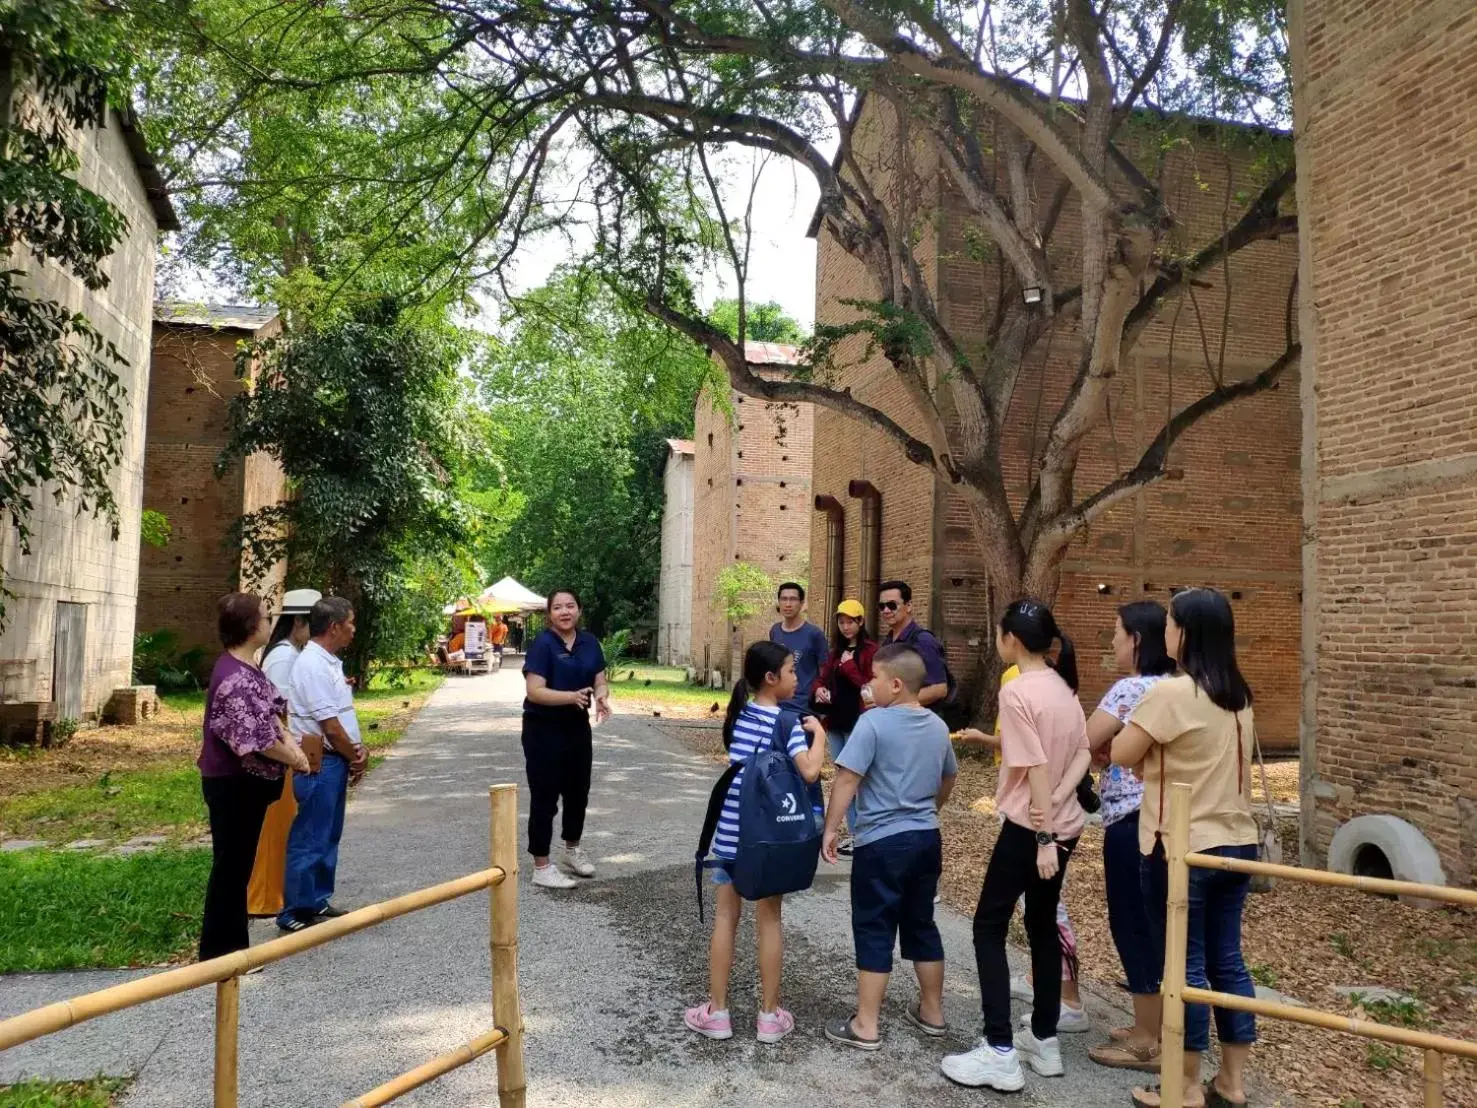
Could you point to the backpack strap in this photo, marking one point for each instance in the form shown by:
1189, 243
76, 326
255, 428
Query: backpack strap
710, 827
779, 739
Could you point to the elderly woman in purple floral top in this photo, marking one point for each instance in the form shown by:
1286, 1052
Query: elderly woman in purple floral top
241, 760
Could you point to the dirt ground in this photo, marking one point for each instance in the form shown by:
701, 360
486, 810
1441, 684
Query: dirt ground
171, 735
1300, 940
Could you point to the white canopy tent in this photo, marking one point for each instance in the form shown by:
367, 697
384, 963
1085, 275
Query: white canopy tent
510, 592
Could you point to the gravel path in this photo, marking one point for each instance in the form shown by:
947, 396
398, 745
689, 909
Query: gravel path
605, 969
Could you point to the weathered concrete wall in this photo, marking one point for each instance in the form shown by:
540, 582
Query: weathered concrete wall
74, 558
1386, 117
674, 596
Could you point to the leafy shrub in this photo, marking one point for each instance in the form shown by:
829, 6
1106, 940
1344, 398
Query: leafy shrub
62, 731
158, 661
616, 646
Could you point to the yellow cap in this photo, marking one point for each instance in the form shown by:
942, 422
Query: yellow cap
852, 608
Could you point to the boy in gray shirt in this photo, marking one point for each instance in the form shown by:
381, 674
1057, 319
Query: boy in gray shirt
899, 766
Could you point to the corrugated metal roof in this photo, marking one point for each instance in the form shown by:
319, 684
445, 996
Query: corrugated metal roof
682, 446
237, 317
771, 353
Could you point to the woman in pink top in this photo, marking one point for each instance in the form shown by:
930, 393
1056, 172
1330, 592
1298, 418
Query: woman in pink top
1044, 754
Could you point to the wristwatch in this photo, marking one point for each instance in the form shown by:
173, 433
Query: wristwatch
1044, 838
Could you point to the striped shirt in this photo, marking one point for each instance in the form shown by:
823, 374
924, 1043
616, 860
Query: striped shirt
752, 732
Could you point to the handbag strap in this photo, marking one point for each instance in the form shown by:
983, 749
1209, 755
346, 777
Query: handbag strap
1261, 766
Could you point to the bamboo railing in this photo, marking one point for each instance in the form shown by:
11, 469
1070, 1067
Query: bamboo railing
506, 1036
1176, 994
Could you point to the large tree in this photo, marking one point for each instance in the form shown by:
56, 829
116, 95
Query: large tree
619, 120
363, 414
582, 390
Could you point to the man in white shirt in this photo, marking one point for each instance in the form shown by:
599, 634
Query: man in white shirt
320, 707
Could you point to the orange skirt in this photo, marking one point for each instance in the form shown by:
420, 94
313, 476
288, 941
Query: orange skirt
264, 893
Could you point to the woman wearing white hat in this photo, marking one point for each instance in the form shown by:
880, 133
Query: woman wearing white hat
289, 636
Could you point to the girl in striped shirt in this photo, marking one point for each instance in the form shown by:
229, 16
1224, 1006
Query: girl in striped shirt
768, 680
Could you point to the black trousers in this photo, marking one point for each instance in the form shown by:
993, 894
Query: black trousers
558, 753
1012, 871
238, 806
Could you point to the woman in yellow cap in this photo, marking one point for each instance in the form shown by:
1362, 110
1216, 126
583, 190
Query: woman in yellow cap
839, 694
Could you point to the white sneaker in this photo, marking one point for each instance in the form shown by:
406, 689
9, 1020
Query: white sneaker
1020, 987
1042, 1055
549, 877
577, 862
1072, 1021
984, 1065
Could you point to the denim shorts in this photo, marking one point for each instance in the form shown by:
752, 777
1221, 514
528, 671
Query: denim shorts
893, 882
722, 873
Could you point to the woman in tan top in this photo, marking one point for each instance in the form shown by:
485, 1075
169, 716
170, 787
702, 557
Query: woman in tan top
1197, 729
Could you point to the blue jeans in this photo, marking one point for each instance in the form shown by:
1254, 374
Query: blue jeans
312, 845
1128, 915
836, 743
1213, 946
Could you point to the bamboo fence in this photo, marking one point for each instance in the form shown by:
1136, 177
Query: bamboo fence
506, 1036
1176, 993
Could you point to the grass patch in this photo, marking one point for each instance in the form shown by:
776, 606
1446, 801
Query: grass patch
191, 701
663, 684
115, 806
64, 910
100, 1092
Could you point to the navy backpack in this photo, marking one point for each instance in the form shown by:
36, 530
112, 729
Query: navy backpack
779, 826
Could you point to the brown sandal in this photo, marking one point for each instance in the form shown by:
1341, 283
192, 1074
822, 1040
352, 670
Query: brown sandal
1124, 1056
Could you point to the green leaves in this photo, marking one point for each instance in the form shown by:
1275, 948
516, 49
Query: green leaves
363, 415
581, 394
61, 395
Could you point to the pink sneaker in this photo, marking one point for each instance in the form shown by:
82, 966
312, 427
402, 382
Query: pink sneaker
774, 1026
713, 1025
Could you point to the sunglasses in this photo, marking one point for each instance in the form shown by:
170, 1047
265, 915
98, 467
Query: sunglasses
889, 605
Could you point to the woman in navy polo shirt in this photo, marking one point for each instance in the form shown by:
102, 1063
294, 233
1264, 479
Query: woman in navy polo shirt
564, 671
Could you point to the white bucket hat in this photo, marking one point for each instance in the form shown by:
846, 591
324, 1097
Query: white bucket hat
299, 602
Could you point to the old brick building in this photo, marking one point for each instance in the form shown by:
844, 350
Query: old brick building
1232, 522
68, 637
1386, 116
192, 381
751, 504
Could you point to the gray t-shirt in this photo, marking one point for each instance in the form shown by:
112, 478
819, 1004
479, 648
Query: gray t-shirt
902, 754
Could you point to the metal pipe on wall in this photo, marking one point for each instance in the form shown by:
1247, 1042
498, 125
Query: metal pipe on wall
835, 552
871, 552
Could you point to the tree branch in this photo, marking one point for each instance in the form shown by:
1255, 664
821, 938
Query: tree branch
1259, 222
1151, 464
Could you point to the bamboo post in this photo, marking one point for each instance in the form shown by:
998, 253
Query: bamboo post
1176, 933
1434, 1099
227, 1021
507, 1014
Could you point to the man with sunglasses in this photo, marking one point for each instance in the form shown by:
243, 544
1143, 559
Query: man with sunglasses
895, 608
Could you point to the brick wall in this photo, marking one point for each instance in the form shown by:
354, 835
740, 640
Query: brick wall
193, 381
1233, 522
75, 558
1387, 123
751, 503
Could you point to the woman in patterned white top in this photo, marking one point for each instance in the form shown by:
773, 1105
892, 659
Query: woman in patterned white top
1138, 648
